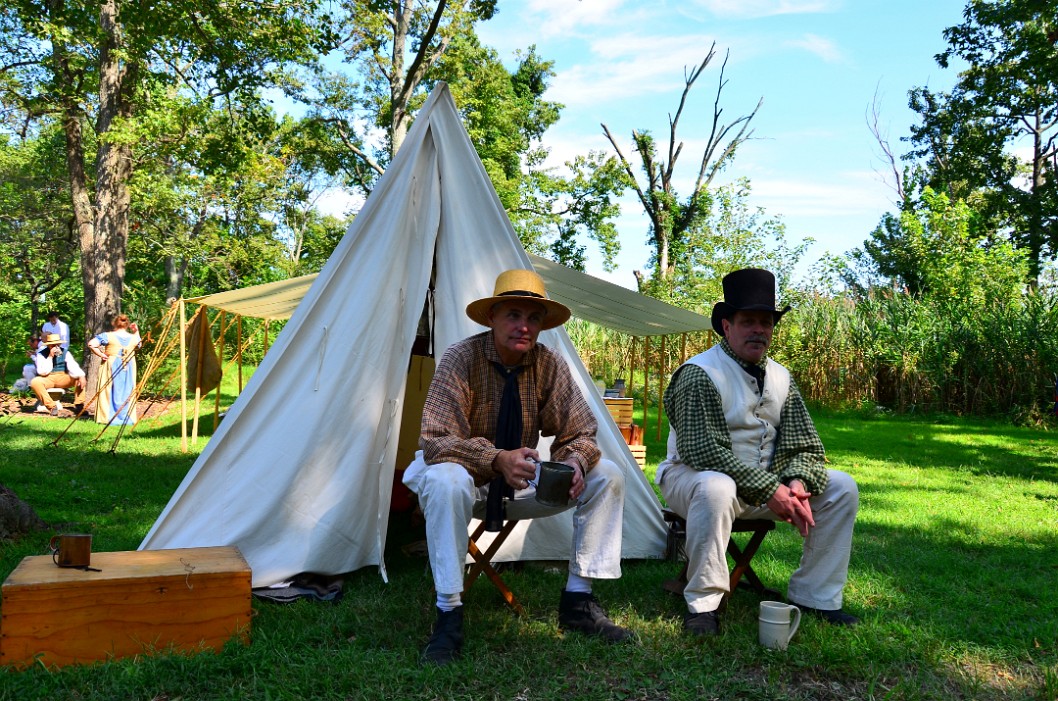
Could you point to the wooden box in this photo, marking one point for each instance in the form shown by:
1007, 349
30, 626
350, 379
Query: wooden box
620, 409
139, 602
632, 434
639, 452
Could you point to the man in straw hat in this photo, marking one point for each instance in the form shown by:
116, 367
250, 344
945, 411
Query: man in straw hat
55, 368
491, 398
742, 445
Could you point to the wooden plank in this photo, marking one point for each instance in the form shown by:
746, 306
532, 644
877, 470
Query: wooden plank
139, 602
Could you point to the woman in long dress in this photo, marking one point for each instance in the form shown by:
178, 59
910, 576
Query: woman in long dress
117, 372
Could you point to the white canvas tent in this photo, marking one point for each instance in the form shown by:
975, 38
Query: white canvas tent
299, 474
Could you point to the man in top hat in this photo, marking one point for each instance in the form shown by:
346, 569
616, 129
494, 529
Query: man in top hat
491, 398
56, 367
742, 445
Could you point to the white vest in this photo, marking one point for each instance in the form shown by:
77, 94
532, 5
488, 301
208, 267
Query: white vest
752, 416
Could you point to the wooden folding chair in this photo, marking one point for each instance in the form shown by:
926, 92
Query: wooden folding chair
742, 557
483, 563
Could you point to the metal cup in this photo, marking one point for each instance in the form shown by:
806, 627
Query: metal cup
71, 549
553, 483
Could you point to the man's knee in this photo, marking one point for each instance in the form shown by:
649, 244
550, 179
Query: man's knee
713, 491
445, 482
607, 473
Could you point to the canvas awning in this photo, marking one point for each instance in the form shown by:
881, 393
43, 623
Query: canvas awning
590, 299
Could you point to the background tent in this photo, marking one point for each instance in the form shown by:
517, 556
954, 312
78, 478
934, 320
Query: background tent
299, 474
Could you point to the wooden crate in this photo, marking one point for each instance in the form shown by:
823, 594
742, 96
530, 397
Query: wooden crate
639, 452
620, 409
139, 602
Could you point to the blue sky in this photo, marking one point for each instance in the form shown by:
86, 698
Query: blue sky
817, 64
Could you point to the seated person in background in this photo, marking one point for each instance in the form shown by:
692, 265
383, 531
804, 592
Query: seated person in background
29, 370
491, 398
56, 325
742, 445
56, 368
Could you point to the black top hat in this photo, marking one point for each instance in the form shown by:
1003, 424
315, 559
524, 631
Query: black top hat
749, 289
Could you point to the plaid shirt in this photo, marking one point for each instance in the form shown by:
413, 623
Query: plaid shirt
696, 411
463, 403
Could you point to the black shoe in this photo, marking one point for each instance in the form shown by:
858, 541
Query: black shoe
702, 625
835, 617
582, 613
446, 642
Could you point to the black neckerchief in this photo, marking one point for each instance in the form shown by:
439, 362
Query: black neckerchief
508, 437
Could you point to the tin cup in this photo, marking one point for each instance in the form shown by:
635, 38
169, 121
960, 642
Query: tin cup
71, 549
553, 483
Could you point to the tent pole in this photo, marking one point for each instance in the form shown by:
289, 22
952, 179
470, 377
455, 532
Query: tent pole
646, 380
661, 384
265, 339
683, 348
238, 343
632, 371
216, 393
183, 377
198, 372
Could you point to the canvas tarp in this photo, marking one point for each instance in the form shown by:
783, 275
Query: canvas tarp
299, 474
589, 298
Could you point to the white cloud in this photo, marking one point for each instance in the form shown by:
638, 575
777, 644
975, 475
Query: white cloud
752, 9
819, 46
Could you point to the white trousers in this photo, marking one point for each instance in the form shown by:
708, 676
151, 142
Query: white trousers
450, 500
708, 502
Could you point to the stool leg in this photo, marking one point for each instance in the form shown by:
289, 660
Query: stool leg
483, 564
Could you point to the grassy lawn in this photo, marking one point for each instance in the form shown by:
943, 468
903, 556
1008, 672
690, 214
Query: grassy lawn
954, 570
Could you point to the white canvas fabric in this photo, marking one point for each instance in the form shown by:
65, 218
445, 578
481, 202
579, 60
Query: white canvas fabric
299, 473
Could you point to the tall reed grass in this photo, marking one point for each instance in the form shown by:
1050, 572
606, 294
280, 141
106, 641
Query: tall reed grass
889, 350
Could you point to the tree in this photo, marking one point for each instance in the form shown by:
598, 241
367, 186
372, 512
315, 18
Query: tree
1005, 99
393, 45
38, 242
937, 248
731, 235
89, 63
670, 219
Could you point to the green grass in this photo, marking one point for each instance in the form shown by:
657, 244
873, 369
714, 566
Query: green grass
954, 571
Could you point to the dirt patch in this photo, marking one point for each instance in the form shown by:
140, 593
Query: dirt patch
146, 407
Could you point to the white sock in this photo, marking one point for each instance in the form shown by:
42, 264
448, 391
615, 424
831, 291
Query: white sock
578, 584
448, 602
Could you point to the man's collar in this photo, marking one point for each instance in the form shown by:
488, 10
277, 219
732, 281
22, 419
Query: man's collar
763, 364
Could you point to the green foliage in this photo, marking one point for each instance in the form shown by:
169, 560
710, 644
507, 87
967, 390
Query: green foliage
1005, 100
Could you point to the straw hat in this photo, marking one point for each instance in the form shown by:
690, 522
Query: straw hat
519, 284
52, 339
748, 289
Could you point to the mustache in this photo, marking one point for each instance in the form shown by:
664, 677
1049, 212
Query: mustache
757, 339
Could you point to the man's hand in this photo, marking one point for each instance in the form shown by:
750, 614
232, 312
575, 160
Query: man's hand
80, 383
516, 466
791, 505
577, 488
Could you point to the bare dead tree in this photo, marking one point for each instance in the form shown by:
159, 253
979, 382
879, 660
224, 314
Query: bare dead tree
670, 218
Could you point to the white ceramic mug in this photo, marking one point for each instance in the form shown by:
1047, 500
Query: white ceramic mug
777, 624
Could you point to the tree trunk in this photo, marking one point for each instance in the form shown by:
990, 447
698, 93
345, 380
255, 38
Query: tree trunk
174, 277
